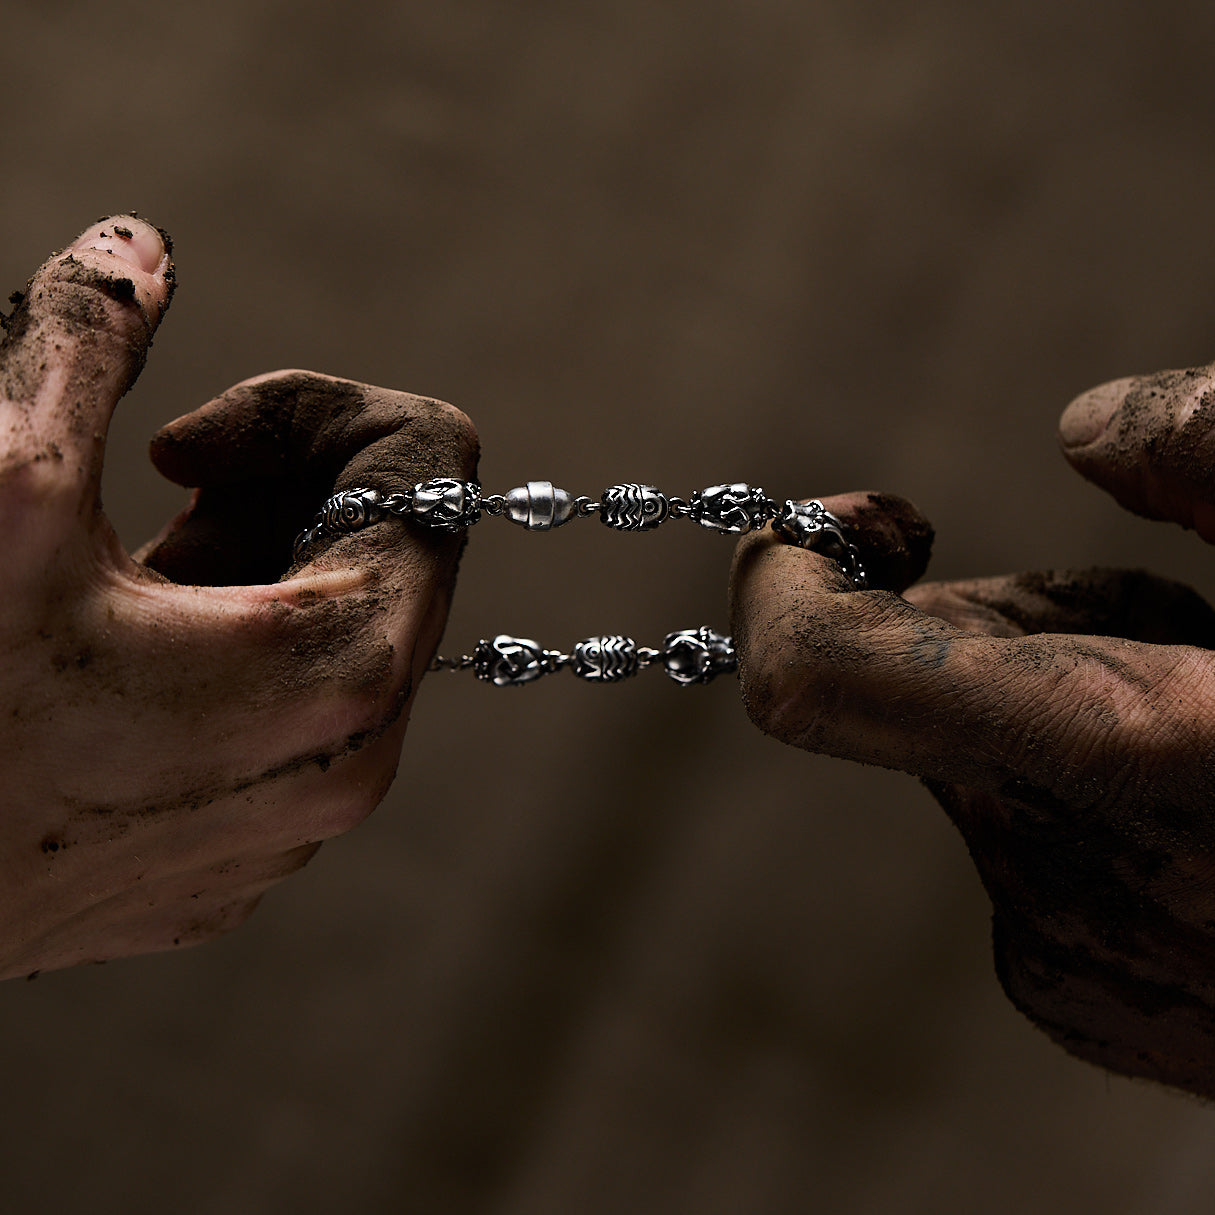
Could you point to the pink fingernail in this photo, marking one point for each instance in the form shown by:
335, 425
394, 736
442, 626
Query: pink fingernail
127, 238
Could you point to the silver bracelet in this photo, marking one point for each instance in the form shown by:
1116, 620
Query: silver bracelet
689, 656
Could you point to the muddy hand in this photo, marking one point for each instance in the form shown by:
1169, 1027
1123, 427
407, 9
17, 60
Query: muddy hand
1066, 721
180, 731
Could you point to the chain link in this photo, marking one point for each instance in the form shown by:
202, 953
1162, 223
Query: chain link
688, 655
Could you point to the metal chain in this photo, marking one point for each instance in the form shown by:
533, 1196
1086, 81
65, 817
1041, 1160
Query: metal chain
689, 656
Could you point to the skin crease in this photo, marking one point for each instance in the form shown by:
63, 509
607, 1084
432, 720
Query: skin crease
222, 713
1064, 720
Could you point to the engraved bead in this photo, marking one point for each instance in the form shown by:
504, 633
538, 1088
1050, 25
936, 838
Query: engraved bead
447, 504
633, 508
509, 661
350, 510
697, 655
539, 506
734, 508
810, 525
605, 659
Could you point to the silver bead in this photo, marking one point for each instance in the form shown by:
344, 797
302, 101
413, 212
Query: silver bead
605, 659
447, 504
633, 508
350, 510
509, 661
539, 506
697, 655
812, 526
734, 508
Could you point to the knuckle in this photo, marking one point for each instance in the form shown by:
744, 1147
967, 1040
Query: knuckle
33, 476
88, 298
443, 431
39, 500
289, 377
463, 431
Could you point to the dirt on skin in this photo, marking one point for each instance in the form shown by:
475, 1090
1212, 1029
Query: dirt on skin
1100, 921
1153, 464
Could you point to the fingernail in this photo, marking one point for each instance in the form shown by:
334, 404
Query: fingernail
1085, 419
127, 238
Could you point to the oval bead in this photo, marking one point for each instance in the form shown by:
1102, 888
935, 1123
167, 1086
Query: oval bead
606, 659
633, 508
539, 506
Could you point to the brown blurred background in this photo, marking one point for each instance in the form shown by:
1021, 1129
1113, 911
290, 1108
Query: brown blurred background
611, 950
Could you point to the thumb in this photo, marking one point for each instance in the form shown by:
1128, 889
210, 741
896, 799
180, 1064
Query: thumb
73, 345
1150, 442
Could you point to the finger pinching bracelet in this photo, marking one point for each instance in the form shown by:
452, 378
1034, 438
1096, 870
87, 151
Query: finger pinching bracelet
689, 656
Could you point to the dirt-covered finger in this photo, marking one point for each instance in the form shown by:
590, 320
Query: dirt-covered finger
893, 539
266, 454
866, 675
1150, 442
74, 343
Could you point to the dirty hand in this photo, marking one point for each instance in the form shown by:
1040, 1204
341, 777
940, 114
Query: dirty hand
1066, 722
180, 730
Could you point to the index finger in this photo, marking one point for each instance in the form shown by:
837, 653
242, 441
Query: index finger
264, 456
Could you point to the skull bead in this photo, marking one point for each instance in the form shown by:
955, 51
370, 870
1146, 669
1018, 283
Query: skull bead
810, 525
735, 508
697, 655
447, 504
509, 661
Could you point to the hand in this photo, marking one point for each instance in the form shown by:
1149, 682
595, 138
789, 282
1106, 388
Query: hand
175, 740
1065, 721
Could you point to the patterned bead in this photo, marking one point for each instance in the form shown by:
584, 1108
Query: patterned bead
605, 659
810, 525
697, 655
447, 504
633, 508
350, 510
509, 661
734, 508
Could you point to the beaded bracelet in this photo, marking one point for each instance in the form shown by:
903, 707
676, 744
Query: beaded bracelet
689, 656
